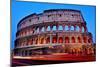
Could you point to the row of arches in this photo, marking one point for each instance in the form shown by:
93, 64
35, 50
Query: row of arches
66, 39
53, 40
36, 30
90, 50
61, 28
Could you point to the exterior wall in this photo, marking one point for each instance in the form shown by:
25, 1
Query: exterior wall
64, 28
71, 16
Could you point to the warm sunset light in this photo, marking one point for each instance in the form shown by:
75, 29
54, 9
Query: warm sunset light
53, 36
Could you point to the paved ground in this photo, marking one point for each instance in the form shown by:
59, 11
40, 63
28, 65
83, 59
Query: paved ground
50, 59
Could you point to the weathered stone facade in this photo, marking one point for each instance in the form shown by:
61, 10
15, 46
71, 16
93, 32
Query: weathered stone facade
53, 31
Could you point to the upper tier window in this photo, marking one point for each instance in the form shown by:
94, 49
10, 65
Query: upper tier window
60, 28
54, 28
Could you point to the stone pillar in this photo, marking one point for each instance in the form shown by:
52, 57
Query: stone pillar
45, 28
40, 29
75, 39
70, 40
82, 39
57, 39
19, 52
74, 28
63, 39
23, 52
27, 52
38, 40
80, 28
44, 40
34, 29
51, 28
57, 27
33, 41
63, 27
68, 27
50, 39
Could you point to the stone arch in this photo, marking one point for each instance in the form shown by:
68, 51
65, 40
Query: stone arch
30, 41
42, 40
25, 32
42, 29
60, 40
77, 28
36, 41
54, 40
79, 39
73, 39
72, 28
48, 28
66, 39
37, 30
85, 39
33, 40
83, 29
66, 28
48, 40
30, 30
60, 27
22, 52
25, 52
54, 28
89, 40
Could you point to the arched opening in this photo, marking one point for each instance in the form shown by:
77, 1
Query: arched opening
77, 28
79, 40
25, 53
37, 30
89, 40
48, 28
72, 28
66, 39
25, 32
73, 39
60, 27
42, 30
25, 42
42, 40
54, 40
48, 40
20, 44
60, 40
54, 28
30, 30
36, 41
85, 39
66, 28
22, 33
30, 41
83, 29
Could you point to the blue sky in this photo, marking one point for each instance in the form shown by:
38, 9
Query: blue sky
21, 9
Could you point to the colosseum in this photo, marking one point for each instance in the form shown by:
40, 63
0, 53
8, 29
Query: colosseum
53, 31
